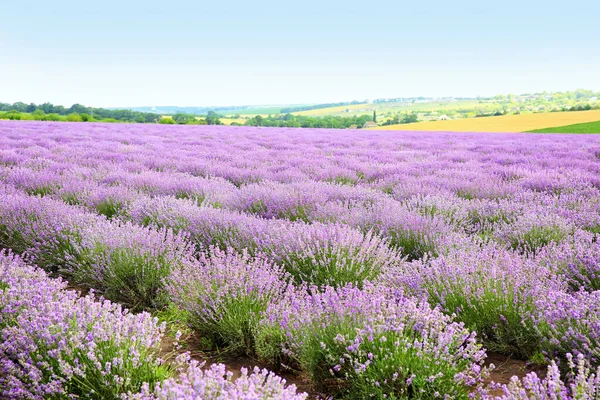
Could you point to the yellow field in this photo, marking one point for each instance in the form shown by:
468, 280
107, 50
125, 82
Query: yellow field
503, 123
228, 121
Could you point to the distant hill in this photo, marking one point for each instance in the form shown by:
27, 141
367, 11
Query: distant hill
243, 110
511, 123
170, 110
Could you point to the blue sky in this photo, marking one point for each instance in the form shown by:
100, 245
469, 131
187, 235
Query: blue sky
193, 53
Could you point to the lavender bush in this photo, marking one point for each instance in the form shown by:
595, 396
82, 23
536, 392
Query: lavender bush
585, 384
576, 261
491, 290
325, 254
215, 383
126, 262
371, 343
56, 344
225, 293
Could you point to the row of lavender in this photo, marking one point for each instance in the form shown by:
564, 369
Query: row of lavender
56, 344
374, 338
517, 265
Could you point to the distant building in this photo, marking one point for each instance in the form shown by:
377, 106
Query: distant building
443, 118
370, 124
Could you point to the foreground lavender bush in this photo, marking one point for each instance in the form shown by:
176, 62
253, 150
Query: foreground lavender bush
128, 263
492, 290
370, 343
55, 344
584, 384
225, 293
216, 383
577, 261
125, 262
571, 324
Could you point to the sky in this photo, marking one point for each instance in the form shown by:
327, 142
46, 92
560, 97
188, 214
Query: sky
193, 53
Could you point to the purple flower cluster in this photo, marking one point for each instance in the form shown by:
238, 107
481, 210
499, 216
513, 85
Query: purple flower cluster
571, 323
491, 289
372, 342
317, 253
215, 383
328, 254
576, 261
124, 261
225, 294
584, 384
57, 344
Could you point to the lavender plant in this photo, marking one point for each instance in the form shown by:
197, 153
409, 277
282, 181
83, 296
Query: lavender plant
334, 255
584, 384
225, 294
371, 343
56, 344
215, 383
491, 290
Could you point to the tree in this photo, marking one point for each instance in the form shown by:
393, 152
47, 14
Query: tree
78, 108
13, 115
74, 117
374, 115
19, 106
181, 118
212, 118
39, 115
166, 120
410, 118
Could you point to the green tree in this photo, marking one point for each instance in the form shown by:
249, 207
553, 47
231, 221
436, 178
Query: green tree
166, 120
181, 118
212, 118
13, 115
39, 115
19, 106
74, 117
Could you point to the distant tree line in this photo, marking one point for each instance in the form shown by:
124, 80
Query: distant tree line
317, 106
300, 121
80, 113
582, 107
402, 119
212, 118
51, 112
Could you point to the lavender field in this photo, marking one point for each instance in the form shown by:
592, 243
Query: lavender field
369, 264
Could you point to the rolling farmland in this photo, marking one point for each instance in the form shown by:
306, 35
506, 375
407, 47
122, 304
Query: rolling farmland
504, 123
362, 263
588, 127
